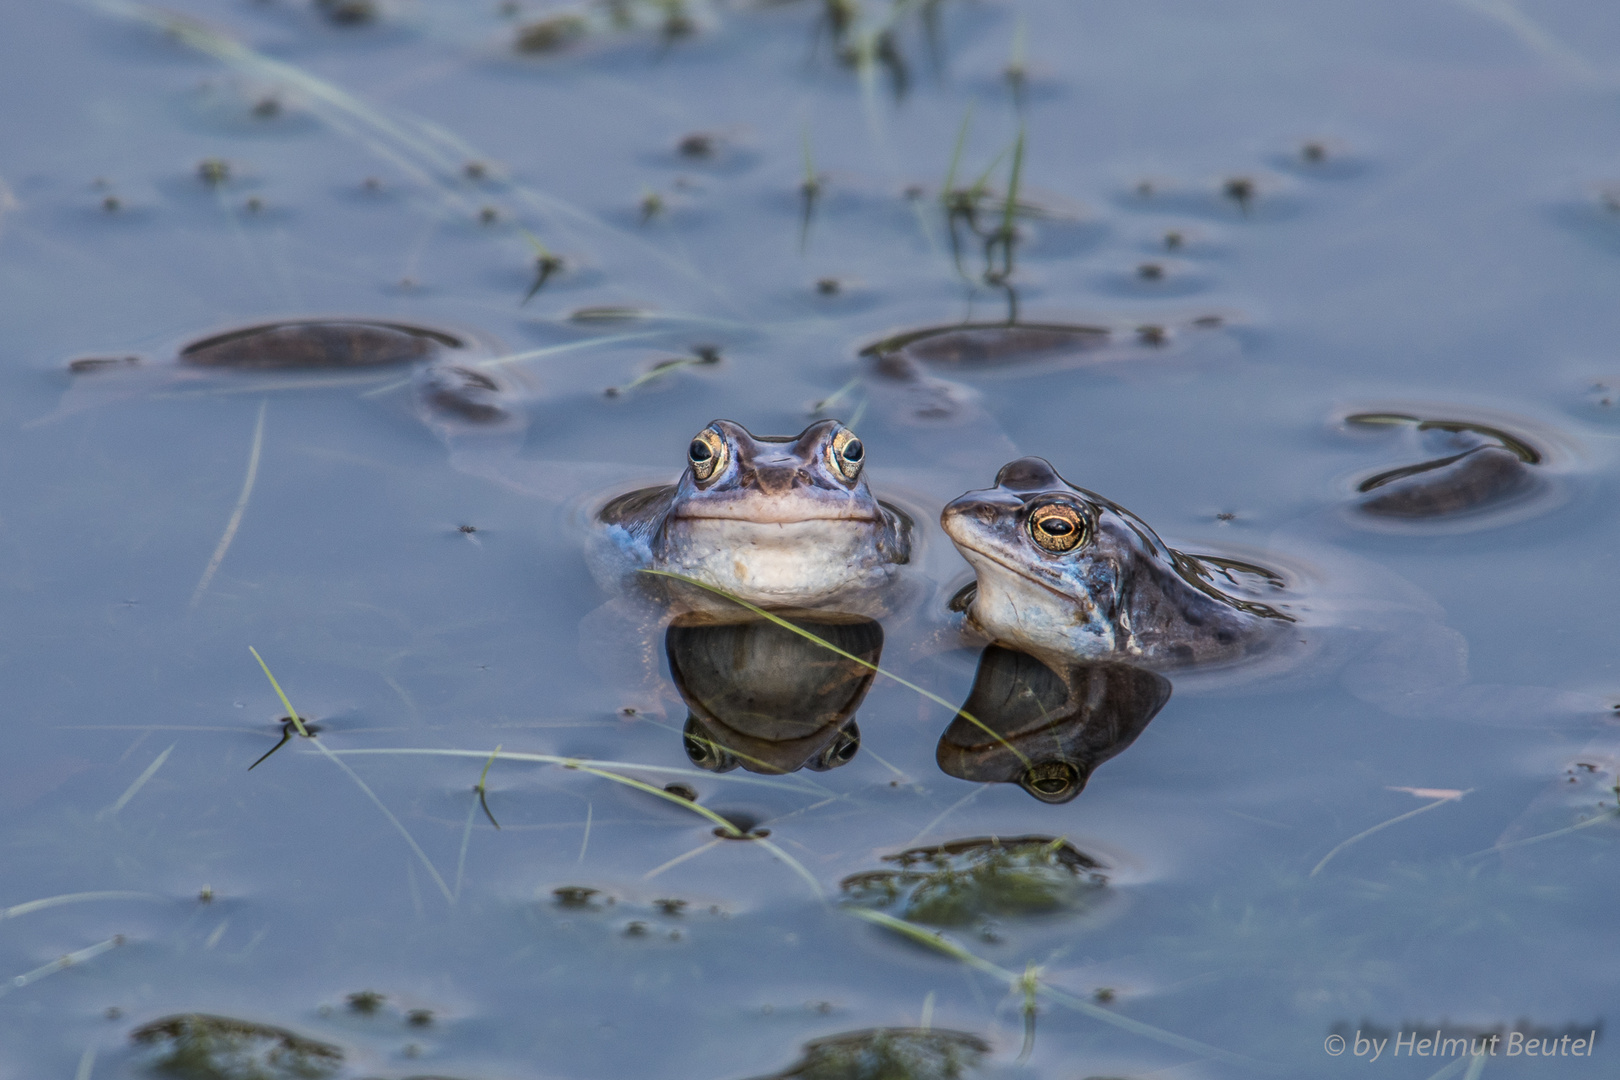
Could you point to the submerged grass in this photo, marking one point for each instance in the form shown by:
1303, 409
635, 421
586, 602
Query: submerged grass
1450, 796
61, 963
235, 521
830, 647
1030, 985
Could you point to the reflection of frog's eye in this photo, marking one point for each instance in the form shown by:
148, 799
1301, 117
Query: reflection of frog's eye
847, 454
1057, 527
1052, 781
707, 454
705, 753
841, 751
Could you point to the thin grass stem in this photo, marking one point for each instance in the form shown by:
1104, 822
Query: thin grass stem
1317, 869
585, 838
731, 830
553, 759
32, 906
677, 860
140, 782
224, 544
798, 867
61, 963
1607, 815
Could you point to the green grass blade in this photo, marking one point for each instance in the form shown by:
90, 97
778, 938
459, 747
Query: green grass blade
292, 713
732, 830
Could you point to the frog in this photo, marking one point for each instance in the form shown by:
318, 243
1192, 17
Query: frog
454, 383
1065, 574
782, 522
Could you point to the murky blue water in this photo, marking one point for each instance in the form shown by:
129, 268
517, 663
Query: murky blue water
1428, 225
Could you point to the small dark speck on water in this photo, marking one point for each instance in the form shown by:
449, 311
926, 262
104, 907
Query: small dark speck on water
488, 215
371, 184
1313, 152
828, 286
1173, 240
1225, 515
698, 145
1150, 272
206, 896
253, 205
1240, 189
419, 1018
111, 204
348, 12
469, 529
636, 929
113, 1013
213, 171
475, 170
670, 906
1104, 995
365, 1002
1151, 334
689, 793
267, 108
577, 896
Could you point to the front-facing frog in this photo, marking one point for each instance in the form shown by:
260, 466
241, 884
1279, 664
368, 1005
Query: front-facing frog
1063, 572
783, 522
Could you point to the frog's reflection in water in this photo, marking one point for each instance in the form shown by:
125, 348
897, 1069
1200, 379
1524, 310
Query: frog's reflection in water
760, 696
1045, 729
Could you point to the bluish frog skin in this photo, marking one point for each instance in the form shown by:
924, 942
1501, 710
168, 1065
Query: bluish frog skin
782, 522
1065, 574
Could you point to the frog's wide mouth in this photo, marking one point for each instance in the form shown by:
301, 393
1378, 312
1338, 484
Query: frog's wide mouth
786, 516
971, 552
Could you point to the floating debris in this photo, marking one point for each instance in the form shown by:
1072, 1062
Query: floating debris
197, 1046
365, 1002
89, 365
889, 1054
990, 345
1487, 467
967, 881
213, 171
1241, 190
463, 393
551, 34
318, 344
348, 12
580, 896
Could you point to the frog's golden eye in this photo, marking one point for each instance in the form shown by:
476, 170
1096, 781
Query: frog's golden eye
847, 454
707, 454
1057, 527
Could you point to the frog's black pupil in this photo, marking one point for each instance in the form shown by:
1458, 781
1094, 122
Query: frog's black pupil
699, 450
853, 450
1056, 526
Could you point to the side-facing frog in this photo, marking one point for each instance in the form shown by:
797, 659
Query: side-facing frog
1064, 573
783, 522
